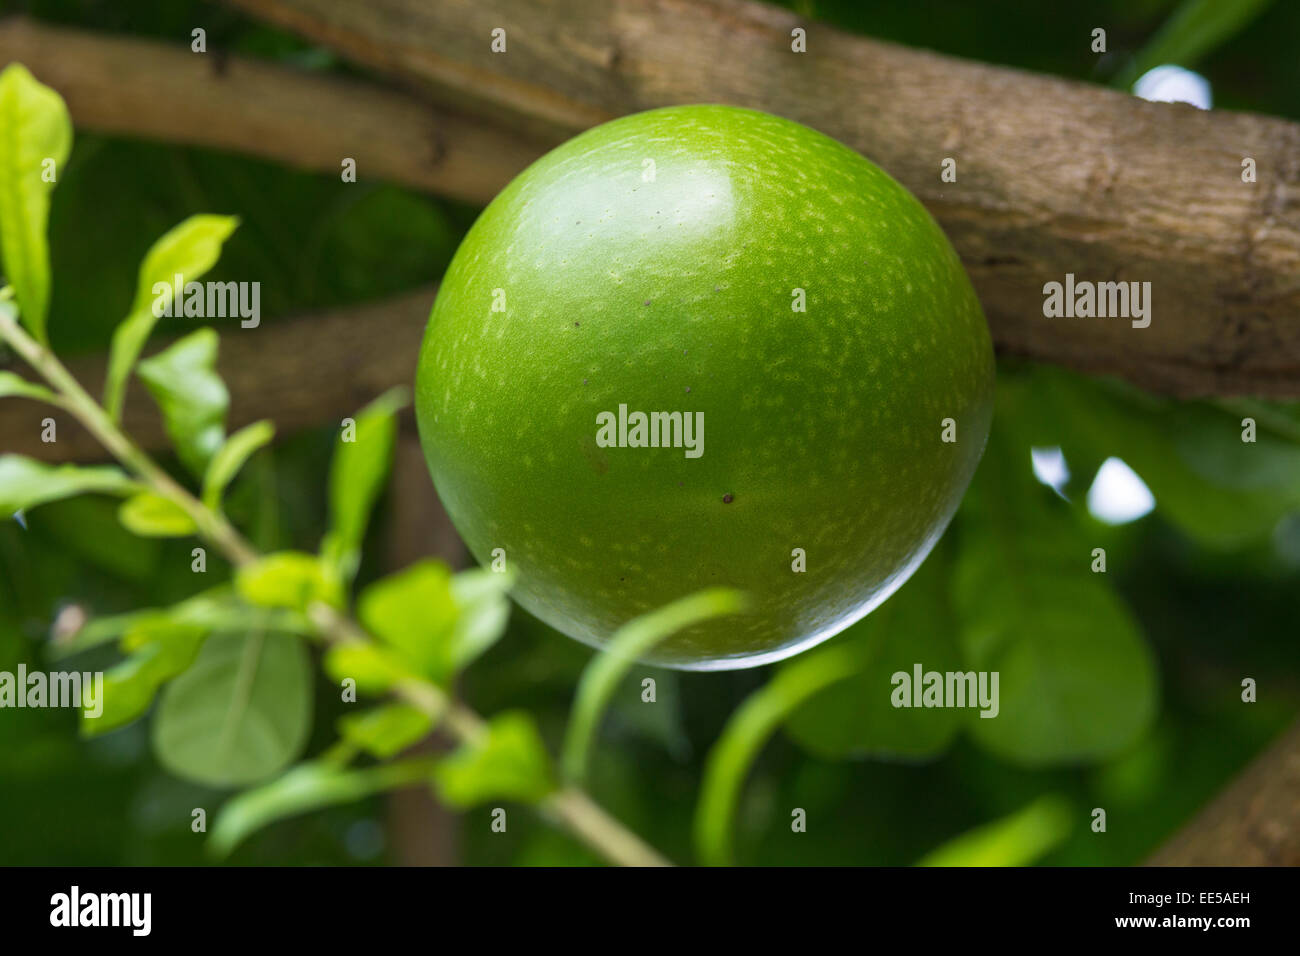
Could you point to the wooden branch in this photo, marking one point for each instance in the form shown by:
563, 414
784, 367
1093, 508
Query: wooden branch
1254, 822
313, 121
300, 373
1053, 177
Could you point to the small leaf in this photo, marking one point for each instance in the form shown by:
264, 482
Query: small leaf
192, 397
15, 386
1017, 840
508, 762
26, 483
483, 611
307, 787
240, 714
231, 457
188, 250
160, 649
414, 612
34, 129
153, 516
221, 610
287, 579
375, 669
438, 623
357, 476
217, 610
386, 731
97, 631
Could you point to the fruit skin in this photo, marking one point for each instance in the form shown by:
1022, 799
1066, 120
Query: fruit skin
669, 287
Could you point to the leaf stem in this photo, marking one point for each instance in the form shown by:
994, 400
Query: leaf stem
569, 807
212, 526
592, 824
743, 737
630, 642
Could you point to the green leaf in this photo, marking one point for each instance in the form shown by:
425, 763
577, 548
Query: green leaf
307, 787
98, 631
160, 649
153, 516
745, 734
856, 717
437, 622
1224, 493
217, 610
287, 579
26, 483
240, 714
193, 399
631, 641
357, 476
1076, 679
1016, 840
188, 250
375, 669
414, 612
509, 761
1195, 29
221, 609
386, 731
34, 128
231, 457
483, 611
15, 386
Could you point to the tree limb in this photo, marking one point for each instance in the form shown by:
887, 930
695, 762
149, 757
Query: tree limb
1053, 177
313, 121
1254, 822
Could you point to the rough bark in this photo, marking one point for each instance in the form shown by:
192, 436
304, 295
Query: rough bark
1255, 821
151, 90
1053, 177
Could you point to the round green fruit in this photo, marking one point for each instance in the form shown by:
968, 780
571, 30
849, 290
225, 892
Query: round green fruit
746, 273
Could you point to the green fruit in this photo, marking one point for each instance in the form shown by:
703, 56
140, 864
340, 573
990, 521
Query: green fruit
654, 262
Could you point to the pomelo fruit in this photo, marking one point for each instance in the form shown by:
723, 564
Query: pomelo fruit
741, 270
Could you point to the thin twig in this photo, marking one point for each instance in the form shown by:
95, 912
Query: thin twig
571, 808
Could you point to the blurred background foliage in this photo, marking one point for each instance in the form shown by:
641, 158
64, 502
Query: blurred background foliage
1198, 594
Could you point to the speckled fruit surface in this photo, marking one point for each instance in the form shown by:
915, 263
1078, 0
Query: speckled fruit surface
654, 262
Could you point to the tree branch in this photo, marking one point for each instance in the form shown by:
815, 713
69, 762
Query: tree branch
1254, 822
1053, 177
151, 90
